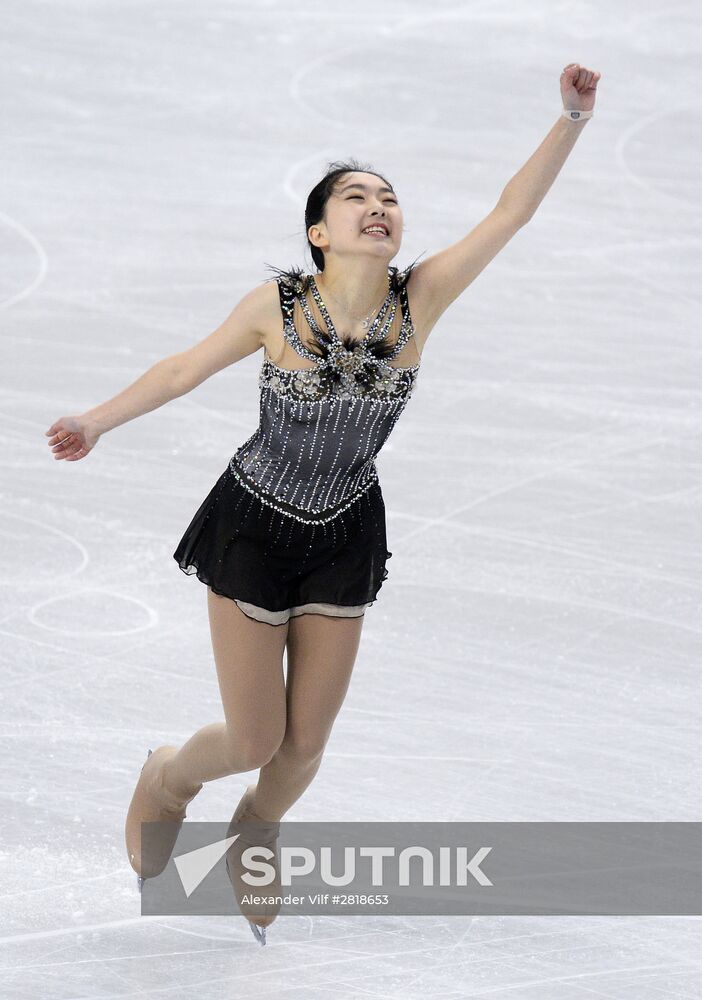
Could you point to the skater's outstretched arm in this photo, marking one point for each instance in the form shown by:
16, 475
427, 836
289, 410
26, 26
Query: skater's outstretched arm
73, 437
438, 281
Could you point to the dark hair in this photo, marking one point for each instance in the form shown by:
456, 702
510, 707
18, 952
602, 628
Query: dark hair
316, 207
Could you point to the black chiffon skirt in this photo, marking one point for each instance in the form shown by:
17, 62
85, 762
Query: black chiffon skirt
275, 566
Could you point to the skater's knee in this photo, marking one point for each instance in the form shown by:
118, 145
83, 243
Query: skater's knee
303, 747
249, 752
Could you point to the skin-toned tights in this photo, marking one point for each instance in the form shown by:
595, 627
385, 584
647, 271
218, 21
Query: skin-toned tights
280, 727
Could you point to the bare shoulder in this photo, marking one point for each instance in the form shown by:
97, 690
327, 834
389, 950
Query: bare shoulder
440, 279
256, 310
244, 331
269, 313
421, 307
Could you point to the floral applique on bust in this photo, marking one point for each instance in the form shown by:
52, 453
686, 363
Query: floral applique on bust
346, 368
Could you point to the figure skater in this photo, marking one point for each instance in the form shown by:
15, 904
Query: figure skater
291, 540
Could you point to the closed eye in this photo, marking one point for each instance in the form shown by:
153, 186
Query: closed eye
391, 200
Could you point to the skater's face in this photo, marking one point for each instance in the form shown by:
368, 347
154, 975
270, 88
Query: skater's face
360, 200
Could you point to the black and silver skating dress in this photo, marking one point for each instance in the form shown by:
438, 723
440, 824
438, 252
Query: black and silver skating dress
296, 522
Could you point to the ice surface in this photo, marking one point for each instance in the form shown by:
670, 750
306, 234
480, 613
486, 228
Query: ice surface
535, 652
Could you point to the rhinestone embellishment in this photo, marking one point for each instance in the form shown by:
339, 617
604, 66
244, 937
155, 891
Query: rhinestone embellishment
321, 427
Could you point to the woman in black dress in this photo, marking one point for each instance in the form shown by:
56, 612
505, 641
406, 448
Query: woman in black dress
291, 540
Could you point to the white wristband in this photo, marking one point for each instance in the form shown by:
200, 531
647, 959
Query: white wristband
576, 116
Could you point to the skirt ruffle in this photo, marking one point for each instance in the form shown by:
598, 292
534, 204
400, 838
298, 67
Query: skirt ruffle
247, 551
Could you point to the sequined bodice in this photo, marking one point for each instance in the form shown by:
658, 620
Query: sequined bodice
321, 428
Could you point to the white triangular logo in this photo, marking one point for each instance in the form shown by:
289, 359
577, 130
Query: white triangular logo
196, 865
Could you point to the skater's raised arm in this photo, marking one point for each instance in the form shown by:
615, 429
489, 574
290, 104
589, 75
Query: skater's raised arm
74, 437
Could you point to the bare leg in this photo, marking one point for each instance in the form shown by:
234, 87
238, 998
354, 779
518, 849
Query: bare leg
249, 659
321, 654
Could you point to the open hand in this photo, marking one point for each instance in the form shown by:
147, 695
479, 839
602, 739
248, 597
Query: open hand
71, 438
579, 87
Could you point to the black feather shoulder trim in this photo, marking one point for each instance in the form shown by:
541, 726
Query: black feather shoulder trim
293, 276
297, 279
